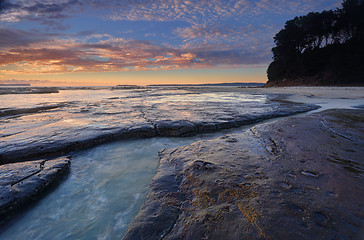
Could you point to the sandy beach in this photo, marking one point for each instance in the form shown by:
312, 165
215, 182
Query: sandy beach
326, 97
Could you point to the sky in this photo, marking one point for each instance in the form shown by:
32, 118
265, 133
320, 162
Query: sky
109, 42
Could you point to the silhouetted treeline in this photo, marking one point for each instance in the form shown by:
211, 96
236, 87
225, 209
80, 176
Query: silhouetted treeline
324, 48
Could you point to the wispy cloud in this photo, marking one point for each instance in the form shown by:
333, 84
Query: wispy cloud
15, 37
47, 12
56, 55
214, 34
201, 11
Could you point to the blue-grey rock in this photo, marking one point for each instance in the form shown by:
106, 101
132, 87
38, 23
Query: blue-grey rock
296, 178
21, 182
60, 139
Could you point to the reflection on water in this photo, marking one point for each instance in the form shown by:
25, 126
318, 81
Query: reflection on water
31, 100
216, 96
75, 115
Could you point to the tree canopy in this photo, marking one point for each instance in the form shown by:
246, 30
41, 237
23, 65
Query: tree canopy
317, 35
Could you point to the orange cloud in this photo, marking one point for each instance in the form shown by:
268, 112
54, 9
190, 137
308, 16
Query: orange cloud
65, 55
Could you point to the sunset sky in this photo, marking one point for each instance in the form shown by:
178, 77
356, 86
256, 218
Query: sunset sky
101, 42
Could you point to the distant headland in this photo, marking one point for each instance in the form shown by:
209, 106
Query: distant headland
321, 49
14, 85
235, 84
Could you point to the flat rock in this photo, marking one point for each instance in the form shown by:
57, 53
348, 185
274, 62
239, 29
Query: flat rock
175, 128
296, 178
55, 129
21, 182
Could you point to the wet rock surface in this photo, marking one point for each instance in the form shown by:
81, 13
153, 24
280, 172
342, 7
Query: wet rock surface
295, 178
72, 120
27, 90
22, 182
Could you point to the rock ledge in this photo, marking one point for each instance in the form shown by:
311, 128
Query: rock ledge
21, 182
296, 178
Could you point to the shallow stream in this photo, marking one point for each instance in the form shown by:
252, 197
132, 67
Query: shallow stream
100, 197
102, 194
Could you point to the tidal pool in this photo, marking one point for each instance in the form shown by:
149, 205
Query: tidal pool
101, 195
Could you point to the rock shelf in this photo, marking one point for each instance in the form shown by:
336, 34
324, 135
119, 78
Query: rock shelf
21, 182
295, 178
55, 141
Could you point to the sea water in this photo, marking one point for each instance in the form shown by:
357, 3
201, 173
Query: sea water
107, 184
100, 197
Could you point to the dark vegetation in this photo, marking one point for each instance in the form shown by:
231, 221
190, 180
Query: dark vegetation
324, 48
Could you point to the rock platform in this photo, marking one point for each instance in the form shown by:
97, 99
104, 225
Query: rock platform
21, 182
56, 129
52, 130
295, 178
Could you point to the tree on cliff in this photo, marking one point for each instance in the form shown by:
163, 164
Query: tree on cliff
321, 48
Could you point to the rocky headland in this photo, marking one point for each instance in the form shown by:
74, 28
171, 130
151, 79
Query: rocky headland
295, 178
